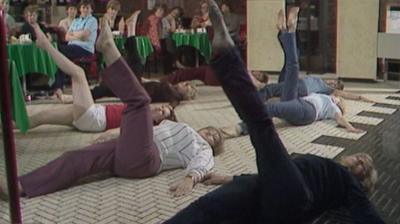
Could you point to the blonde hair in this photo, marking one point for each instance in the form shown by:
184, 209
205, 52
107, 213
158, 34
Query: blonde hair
31, 9
369, 180
190, 94
114, 4
218, 148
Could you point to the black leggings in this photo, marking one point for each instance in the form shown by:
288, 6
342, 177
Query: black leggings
278, 194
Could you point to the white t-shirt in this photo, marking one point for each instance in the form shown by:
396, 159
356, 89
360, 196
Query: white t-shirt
182, 147
324, 106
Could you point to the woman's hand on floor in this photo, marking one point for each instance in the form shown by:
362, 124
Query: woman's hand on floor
107, 136
183, 188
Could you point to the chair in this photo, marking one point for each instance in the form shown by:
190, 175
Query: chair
59, 33
89, 64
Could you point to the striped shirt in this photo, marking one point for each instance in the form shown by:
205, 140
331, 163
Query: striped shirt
182, 147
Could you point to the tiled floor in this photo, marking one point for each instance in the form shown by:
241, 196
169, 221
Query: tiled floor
117, 200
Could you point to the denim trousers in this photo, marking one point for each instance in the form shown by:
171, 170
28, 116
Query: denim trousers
279, 188
292, 108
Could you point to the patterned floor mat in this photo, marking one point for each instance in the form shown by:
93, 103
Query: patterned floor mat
117, 200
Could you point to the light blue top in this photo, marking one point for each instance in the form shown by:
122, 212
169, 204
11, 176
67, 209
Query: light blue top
324, 106
317, 85
85, 23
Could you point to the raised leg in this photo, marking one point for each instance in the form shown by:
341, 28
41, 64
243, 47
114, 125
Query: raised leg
288, 40
136, 154
276, 171
82, 98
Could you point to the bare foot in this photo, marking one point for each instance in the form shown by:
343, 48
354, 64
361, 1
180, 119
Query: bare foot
222, 39
281, 25
41, 38
105, 37
292, 19
58, 95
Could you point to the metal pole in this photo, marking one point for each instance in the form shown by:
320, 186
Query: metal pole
8, 134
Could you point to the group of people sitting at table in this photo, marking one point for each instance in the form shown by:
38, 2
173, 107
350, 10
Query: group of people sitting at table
149, 140
76, 35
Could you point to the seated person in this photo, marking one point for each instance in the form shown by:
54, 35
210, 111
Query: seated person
153, 26
65, 23
139, 151
170, 24
232, 21
284, 190
81, 38
117, 23
10, 21
202, 20
30, 14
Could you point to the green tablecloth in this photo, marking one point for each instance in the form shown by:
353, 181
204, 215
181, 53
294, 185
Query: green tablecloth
199, 41
28, 58
144, 47
120, 43
20, 116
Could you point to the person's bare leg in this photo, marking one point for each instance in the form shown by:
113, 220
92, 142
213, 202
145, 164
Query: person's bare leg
82, 98
281, 24
105, 44
60, 115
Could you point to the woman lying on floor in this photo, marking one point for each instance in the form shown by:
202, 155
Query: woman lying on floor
96, 118
140, 150
284, 190
84, 114
159, 91
292, 108
174, 87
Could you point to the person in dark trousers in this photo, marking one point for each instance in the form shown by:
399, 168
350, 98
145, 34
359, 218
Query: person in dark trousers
283, 191
81, 38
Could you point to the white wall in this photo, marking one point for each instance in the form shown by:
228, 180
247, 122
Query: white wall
357, 38
263, 50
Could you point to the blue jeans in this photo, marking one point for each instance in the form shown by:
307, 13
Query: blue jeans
278, 190
291, 108
71, 52
275, 90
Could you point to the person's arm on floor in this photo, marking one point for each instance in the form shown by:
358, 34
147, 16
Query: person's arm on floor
352, 96
197, 169
106, 136
344, 123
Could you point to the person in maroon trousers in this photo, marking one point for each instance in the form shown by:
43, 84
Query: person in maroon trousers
140, 150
